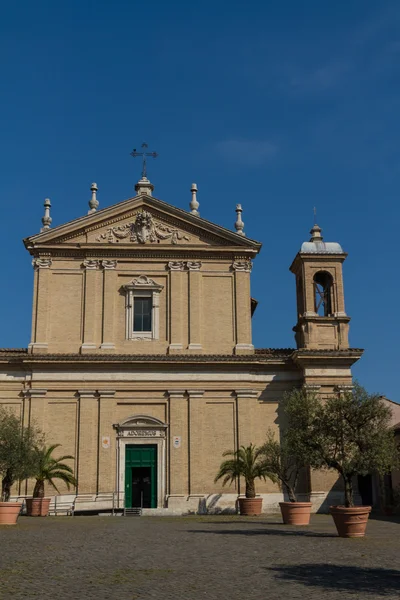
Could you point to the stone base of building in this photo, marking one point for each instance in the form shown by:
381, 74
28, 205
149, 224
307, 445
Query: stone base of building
181, 505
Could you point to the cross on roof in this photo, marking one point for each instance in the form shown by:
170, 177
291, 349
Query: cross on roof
144, 154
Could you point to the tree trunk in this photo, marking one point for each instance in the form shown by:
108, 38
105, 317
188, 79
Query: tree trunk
348, 491
290, 492
38, 491
250, 489
6, 487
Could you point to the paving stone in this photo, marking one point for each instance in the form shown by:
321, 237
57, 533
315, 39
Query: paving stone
218, 558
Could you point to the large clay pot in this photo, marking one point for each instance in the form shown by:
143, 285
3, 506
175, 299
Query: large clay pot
352, 521
250, 507
9, 512
296, 513
37, 507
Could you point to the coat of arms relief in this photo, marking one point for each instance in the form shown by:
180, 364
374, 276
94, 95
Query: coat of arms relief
144, 229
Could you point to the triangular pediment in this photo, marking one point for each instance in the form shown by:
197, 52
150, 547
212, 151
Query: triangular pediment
142, 221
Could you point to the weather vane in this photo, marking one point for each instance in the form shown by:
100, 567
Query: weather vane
315, 215
144, 156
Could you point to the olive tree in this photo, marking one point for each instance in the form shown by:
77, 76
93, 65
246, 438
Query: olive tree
349, 431
17, 451
282, 465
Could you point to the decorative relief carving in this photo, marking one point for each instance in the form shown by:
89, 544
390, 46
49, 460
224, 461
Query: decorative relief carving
109, 264
41, 263
176, 265
194, 265
144, 229
143, 282
91, 265
242, 265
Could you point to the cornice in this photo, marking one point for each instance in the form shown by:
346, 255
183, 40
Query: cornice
130, 207
304, 356
93, 251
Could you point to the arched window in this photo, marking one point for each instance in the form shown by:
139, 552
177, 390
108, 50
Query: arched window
323, 290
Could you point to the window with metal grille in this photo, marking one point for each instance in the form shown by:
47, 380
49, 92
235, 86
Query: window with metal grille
142, 313
323, 288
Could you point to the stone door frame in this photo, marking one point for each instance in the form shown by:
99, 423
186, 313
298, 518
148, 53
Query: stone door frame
142, 430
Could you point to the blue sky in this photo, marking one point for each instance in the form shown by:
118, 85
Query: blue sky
279, 105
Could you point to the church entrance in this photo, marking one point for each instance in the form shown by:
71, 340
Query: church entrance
141, 476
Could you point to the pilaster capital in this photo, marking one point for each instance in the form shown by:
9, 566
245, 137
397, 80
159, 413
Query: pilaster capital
311, 388
343, 389
174, 265
246, 393
106, 393
193, 265
242, 265
108, 264
42, 263
86, 393
176, 393
91, 265
34, 393
195, 393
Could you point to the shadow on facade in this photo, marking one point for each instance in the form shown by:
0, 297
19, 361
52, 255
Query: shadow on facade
209, 506
349, 578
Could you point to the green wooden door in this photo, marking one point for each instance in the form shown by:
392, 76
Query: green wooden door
141, 476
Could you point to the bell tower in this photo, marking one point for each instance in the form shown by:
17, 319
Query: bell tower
322, 323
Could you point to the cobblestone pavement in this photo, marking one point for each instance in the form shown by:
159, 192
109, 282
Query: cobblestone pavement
224, 558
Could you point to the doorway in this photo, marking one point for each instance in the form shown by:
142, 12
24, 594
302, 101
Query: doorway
141, 487
365, 489
141, 476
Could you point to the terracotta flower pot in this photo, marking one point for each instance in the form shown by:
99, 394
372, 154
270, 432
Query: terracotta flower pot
9, 512
296, 513
37, 507
250, 506
352, 521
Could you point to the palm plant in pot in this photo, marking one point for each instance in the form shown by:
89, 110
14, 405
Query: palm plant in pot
348, 432
17, 461
284, 467
246, 462
47, 469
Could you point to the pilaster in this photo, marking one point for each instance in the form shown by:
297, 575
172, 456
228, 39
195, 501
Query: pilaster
195, 441
242, 271
194, 306
175, 306
109, 293
91, 267
39, 343
35, 401
244, 412
178, 443
87, 441
106, 470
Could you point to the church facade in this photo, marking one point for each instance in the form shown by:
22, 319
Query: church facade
141, 362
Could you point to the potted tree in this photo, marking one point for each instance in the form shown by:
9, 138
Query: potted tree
246, 462
17, 461
47, 469
283, 466
349, 432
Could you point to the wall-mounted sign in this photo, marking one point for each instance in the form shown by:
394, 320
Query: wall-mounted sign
141, 433
177, 441
106, 441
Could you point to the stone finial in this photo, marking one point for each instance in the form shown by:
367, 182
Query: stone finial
93, 202
316, 234
239, 225
46, 219
194, 205
144, 186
